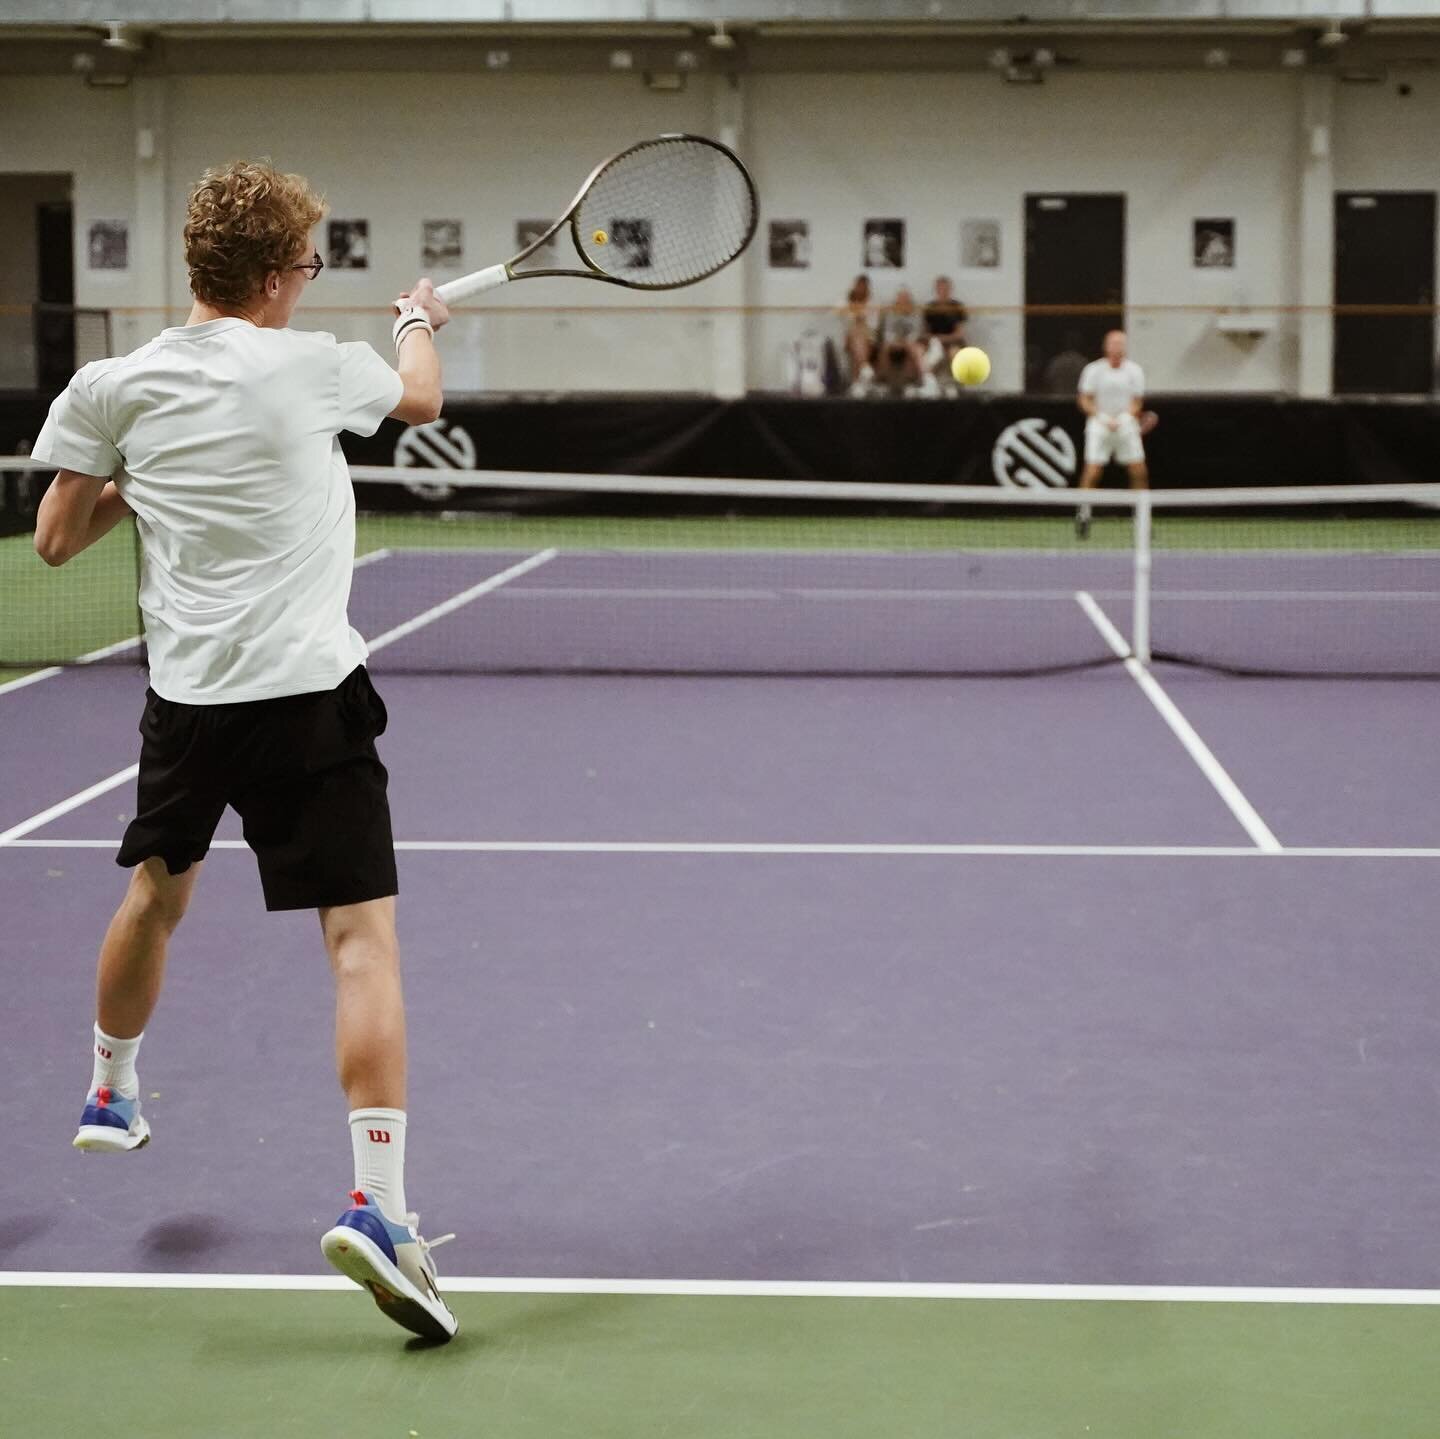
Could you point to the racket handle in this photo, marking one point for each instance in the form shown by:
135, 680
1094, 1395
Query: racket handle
453, 291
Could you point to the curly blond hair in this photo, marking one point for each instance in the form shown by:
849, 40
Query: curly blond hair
244, 220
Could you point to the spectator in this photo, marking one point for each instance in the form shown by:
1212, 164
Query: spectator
860, 335
945, 319
1111, 393
902, 348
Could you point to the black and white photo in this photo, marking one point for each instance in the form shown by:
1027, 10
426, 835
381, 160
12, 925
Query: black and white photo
348, 242
883, 245
1214, 244
527, 232
633, 240
110, 245
980, 244
789, 244
441, 246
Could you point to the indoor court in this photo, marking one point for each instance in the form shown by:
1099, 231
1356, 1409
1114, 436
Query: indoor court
881, 956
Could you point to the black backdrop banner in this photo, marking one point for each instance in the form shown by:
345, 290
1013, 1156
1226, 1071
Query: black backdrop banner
1201, 440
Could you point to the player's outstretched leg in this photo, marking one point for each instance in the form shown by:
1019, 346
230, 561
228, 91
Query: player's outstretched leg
131, 970
376, 1242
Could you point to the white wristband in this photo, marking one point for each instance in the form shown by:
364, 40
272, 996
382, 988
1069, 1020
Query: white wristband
408, 322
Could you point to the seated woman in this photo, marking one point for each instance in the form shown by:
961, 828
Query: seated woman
860, 334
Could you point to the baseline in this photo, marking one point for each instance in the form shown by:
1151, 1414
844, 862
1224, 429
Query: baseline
745, 1288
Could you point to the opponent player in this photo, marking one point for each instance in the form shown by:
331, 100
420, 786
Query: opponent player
1111, 393
221, 438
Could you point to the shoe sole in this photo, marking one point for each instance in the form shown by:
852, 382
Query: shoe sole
359, 1258
103, 1139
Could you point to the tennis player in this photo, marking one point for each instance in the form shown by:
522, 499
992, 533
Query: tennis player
1112, 394
221, 437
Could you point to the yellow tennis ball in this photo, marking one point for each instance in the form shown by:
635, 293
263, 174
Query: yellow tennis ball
971, 366
600, 237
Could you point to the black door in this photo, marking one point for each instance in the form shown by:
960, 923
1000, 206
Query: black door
55, 315
1384, 255
1074, 255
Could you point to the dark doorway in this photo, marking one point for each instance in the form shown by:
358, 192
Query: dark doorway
1384, 255
1074, 255
55, 315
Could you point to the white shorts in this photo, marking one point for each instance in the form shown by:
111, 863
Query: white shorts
1122, 444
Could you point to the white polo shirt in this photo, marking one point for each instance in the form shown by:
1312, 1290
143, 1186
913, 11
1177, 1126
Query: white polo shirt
1112, 386
223, 438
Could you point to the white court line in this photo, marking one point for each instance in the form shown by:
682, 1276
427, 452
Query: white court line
103, 653
29, 679
371, 557
959, 851
743, 1288
732, 592
36, 821
455, 602
1195, 747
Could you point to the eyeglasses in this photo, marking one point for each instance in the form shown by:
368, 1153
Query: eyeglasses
312, 267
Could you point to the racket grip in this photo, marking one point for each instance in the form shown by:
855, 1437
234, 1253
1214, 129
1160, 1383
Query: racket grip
453, 291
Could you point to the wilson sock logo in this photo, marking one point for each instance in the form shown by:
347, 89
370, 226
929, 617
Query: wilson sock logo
379, 1136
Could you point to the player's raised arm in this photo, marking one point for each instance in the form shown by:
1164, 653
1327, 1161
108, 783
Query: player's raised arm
76, 511
418, 314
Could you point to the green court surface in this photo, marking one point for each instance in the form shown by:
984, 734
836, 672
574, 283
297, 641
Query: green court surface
227, 1364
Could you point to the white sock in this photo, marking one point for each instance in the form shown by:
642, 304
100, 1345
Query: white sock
377, 1140
115, 1064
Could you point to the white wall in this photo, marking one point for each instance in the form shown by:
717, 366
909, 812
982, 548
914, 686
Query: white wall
832, 149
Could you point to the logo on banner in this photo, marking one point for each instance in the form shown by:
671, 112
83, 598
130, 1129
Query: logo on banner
1033, 454
436, 446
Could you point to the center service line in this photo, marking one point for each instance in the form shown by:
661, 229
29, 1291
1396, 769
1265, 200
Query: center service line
1183, 730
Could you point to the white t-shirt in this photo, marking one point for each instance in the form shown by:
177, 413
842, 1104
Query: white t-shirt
223, 438
1113, 386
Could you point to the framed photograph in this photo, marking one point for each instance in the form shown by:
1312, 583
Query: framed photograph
633, 240
980, 244
883, 245
789, 244
109, 246
1213, 246
441, 244
349, 244
527, 232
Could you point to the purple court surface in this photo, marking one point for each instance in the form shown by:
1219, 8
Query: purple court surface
1043, 1012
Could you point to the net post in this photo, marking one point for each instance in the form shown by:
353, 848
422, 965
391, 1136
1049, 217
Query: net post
1140, 626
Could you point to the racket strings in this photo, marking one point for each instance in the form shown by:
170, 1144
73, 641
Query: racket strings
669, 213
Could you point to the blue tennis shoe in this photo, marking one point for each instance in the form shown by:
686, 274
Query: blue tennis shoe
111, 1123
393, 1262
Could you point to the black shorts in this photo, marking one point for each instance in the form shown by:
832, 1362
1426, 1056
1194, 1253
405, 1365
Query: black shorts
301, 772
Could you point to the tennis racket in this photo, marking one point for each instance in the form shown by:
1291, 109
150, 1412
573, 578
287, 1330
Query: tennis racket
664, 213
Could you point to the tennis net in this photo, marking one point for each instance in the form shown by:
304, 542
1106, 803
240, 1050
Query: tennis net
520, 572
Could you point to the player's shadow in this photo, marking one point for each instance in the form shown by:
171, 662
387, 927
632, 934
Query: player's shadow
184, 1237
21, 1229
